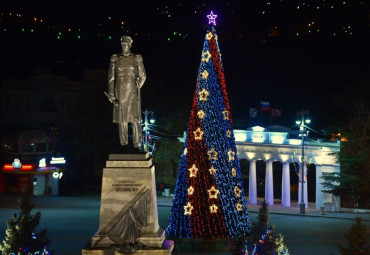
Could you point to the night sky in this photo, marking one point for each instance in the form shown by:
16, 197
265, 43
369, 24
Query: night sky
293, 55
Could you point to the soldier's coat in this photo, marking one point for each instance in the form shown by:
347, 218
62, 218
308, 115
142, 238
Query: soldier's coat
126, 75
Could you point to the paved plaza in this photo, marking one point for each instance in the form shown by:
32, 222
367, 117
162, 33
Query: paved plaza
72, 220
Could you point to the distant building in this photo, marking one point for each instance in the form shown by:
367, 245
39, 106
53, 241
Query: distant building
30, 162
281, 144
34, 112
49, 102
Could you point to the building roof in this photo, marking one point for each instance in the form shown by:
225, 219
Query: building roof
29, 136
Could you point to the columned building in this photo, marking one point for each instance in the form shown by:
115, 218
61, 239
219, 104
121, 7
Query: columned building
259, 143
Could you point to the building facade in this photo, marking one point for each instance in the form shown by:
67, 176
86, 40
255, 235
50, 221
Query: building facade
29, 162
269, 146
48, 104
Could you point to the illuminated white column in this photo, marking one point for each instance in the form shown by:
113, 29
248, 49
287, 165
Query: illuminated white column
304, 187
252, 182
269, 186
319, 200
285, 193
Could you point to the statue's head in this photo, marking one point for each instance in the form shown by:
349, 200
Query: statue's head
126, 42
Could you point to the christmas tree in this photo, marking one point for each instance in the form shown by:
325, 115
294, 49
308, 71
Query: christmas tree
20, 237
357, 240
209, 196
262, 239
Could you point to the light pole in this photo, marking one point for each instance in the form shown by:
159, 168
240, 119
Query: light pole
146, 129
302, 120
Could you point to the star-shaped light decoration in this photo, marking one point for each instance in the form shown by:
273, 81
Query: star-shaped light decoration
225, 113
213, 192
203, 94
239, 206
228, 133
212, 170
213, 208
209, 36
231, 155
185, 151
193, 171
233, 172
201, 114
237, 191
205, 74
198, 134
191, 190
188, 208
212, 18
206, 56
212, 154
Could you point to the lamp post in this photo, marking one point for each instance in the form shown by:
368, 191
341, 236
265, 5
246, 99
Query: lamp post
146, 129
302, 120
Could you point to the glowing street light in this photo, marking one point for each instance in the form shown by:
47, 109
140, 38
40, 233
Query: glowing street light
302, 120
147, 122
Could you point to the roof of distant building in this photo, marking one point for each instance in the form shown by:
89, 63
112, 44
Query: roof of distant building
29, 136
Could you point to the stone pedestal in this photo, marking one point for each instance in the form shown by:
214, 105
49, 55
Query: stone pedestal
127, 178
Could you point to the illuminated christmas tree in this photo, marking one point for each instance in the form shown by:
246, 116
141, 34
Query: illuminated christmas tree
209, 197
20, 234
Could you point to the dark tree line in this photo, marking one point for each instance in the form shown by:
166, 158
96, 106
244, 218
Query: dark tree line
352, 126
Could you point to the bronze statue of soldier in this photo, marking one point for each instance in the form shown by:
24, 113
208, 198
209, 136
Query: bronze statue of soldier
126, 76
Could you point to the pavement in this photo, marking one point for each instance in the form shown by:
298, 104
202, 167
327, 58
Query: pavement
71, 221
278, 209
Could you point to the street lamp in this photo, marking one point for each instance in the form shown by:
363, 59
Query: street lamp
302, 120
147, 122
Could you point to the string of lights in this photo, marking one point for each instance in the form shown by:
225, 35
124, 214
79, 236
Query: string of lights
252, 249
161, 133
316, 12
209, 198
26, 250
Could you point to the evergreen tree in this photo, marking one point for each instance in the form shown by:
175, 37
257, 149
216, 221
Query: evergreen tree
261, 230
20, 233
168, 148
263, 240
263, 219
353, 125
357, 240
209, 196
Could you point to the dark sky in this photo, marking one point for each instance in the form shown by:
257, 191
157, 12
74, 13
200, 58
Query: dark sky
293, 55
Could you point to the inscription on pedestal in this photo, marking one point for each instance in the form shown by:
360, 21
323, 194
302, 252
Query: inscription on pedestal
128, 181
126, 186
121, 188
124, 182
